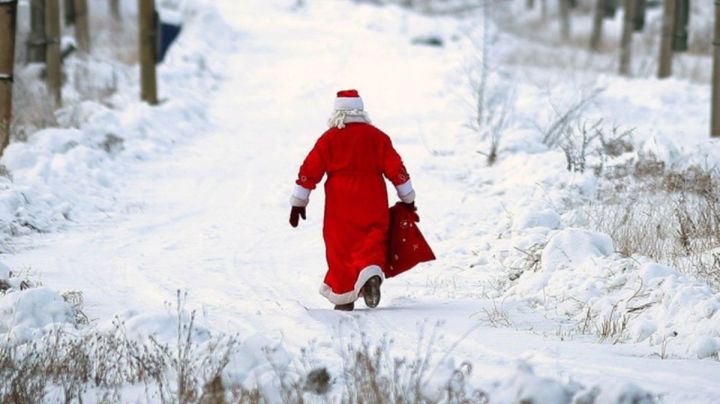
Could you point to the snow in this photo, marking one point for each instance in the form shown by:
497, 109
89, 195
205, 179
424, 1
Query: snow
23, 313
129, 203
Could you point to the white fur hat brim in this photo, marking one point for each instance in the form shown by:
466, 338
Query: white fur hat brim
349, 103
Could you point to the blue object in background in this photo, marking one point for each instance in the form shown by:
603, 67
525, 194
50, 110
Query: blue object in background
168, 33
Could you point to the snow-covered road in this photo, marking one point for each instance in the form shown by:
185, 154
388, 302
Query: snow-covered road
211, 218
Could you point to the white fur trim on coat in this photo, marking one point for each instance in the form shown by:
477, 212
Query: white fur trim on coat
349, 297
348, 103
300, 196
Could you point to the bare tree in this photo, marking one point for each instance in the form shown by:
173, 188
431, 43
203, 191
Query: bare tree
148, 36
597, 28
8, 23
666, 41
36, 40
715, 129
115, 9
565, 19
52, 50
82, 31
626, 40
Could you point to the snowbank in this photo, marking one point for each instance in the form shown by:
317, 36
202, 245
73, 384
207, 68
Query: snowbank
24, 313
59, 175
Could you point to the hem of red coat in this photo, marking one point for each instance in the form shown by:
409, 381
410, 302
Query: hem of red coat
349, 297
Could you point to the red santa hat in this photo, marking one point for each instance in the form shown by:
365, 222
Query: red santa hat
348, 100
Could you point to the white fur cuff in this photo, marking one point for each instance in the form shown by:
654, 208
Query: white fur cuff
300, 196
405, 192
409, 198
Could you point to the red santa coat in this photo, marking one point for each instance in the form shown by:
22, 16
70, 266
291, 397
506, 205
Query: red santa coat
355, 159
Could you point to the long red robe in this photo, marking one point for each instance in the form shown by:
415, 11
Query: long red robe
356, 221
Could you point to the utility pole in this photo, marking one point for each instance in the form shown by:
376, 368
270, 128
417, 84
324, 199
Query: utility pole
715, 129
82, 31
666, 41
626, 39
52, 51
597, 28
8, 23
148, 52
36, 39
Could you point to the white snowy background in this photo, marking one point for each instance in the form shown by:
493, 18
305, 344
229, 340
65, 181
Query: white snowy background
128, 203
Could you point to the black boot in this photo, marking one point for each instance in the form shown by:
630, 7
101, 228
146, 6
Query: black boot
371, 292
345, 307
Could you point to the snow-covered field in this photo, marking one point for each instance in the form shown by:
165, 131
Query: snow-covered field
195, 198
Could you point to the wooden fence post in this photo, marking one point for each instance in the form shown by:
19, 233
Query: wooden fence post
82, 31
565, 19
597, 28
69, 12
115, 9
666, 41
626, 39
148, 35
8, 23
715, 128
36, 39
53, 57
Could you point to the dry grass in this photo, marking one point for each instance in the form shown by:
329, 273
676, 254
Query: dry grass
75, 366
372, 375
670, 216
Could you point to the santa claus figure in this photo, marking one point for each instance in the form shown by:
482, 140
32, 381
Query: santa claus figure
356, 157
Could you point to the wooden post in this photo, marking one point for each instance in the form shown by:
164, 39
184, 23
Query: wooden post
680, 33
52, 51
565, 19
666, 41
8, 22
148, 78
69, 12
82, 32
626, 39
715, 129
639, 14
36, 38
597, 29
115, 9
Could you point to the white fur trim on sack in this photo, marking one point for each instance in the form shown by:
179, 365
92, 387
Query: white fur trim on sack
347, 103
300, 196
349, 297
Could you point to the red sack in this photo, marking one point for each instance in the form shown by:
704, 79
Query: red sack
407, 246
